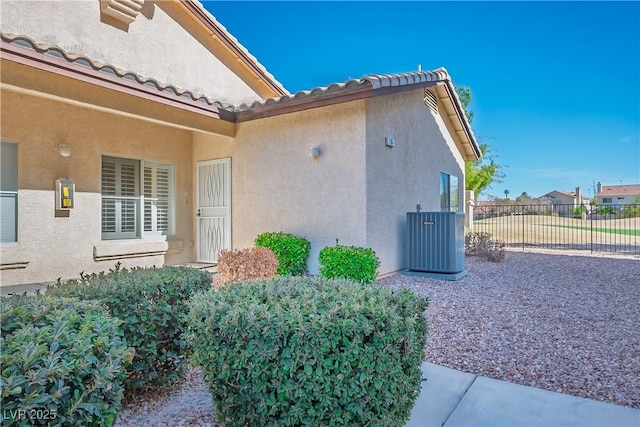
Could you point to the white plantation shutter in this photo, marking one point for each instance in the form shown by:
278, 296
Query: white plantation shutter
158, 198
134, 205
108, 196
120, 198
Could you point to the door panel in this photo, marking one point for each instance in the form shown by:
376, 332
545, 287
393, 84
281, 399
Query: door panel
213, 208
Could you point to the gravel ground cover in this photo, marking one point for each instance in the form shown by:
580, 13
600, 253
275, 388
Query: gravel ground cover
563, 323
557, 322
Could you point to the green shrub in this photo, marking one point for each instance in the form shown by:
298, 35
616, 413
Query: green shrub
632, 211
152, 304
578, 211
349, 262
292, 252
62, 362
606, 210
292, 351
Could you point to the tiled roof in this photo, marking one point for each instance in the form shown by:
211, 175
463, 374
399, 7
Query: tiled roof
374, 81
206, 17
55, 51
164, 92
619, 190
565, 193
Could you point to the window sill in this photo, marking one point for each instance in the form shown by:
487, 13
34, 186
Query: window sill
134, 248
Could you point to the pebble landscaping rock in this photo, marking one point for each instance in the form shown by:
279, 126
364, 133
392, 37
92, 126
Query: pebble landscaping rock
565, 323
558, 322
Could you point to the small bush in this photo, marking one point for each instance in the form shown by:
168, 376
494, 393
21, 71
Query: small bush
152, 304
292, 351
292, 252
483, 245
632, 211
62, 362
578, 211
349, 262
606, 210
246, 264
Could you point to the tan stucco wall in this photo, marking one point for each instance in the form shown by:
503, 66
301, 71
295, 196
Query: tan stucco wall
154, 45
399, 178
277, 186
63, 246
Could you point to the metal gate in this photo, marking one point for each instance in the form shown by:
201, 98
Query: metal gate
604, 228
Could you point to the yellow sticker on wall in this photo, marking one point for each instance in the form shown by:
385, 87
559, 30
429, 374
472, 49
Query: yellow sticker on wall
65, 191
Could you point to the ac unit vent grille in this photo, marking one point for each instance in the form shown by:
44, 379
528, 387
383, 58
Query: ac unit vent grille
435, 242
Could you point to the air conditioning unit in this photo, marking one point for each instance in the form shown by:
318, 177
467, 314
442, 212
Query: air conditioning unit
436, 244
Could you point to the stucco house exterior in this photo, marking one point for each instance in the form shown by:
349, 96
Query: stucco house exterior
143, 133
562, 202
618, 194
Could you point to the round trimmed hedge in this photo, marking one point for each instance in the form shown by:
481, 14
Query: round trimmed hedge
292, 251
152, 304
63, 362
310, 351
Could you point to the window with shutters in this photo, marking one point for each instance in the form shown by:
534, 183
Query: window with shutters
8, 192
137, 198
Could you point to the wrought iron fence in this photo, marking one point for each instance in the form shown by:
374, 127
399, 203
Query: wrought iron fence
603, 228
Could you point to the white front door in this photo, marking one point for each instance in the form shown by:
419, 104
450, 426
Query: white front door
213, 208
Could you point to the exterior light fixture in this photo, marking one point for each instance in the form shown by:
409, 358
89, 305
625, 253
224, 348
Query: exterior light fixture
64, 149
315, 152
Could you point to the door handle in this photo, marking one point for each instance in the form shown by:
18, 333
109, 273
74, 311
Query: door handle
198, 213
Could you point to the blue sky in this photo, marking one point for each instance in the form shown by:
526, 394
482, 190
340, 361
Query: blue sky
555, 85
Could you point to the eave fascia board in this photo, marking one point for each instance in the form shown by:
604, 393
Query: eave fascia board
231, 45
305, 103
363, 91
462, 118
86, 74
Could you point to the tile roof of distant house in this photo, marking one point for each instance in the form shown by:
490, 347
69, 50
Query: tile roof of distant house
566, 193
619, 190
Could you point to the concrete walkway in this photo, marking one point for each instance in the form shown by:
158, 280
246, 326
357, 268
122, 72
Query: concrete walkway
453, 398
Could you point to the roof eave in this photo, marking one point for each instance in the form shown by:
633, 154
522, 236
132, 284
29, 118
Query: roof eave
469, 138
52, 64
292, 105
268, 81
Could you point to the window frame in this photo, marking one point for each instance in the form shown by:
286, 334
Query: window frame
10, 192
449, 192
141, 200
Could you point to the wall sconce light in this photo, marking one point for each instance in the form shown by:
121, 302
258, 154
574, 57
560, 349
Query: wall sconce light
315, 152
64, 149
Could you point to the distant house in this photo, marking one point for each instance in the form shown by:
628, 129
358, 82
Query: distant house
487, 209
142, 132
559, 197
618, 194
